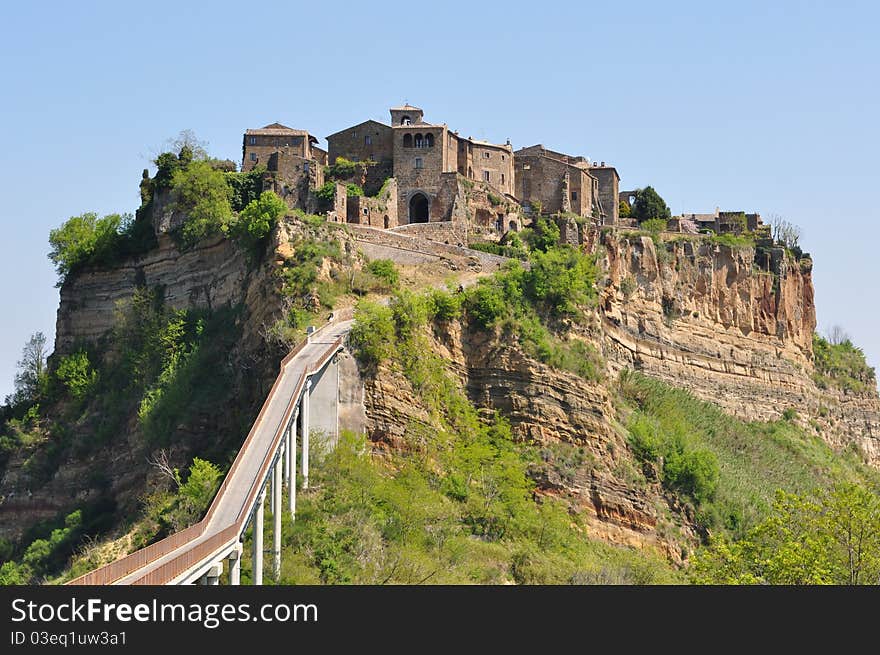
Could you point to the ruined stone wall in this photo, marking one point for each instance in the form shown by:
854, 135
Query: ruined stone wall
608, 192
376, 212
352, 144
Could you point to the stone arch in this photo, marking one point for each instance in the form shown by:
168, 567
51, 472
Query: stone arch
419, 208
429, 140
407, 140
512, 226
405, 120
418, 141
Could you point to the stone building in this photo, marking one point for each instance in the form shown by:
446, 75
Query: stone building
563, 183
721, 222
370, 141
424, 159
292, 159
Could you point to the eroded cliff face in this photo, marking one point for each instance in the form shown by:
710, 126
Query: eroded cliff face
704, 317
213, 274
585, 459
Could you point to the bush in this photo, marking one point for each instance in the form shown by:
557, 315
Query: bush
385, 270
88, 240
204, 198
544, 235
562, 279
327, 192
77, 374
258, 219
486, 304
842, 365
654, 225
353, 190
447, 306
372, 336
245, 187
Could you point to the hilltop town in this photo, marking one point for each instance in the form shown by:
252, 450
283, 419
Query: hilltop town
414, 172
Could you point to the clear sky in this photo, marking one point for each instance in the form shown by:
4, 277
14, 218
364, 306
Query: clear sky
755, 106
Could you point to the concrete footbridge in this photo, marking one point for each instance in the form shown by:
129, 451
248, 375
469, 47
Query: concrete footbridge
304, 397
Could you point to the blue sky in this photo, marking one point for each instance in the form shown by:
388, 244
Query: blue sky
750, 105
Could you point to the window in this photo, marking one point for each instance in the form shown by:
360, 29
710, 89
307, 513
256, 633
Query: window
407, 140
502, 178
368, 140
253, 140
418, 141
574, 196
486, 155
366, 211
502, 157
419, 162
405, 121
429, 140
306, 167
485, 176
253, 156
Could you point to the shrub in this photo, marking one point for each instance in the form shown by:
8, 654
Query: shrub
841, 365
89, 240
385, 270
623, 210
544, 235
372, 336
245, 187
486, 304
562, 279
204, 198
628, 286
343, 167
653, 225
447, 306
327, 192
258, 219
77, 374
353, 190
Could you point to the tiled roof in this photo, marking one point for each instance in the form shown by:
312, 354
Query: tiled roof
276, 129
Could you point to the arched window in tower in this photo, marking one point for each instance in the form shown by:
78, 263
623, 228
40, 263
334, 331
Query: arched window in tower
419, 141
407, 140
429, 140
405, 120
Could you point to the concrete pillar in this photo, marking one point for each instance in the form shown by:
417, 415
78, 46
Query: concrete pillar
305, 433
291, 478
257, 564
272, 507
212, 575
285, 451
235, 567
276, 522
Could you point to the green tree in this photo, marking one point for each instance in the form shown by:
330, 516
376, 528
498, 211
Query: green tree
648, 204
77, 374
31, 377
561, 278
385, 270
624, 210
258, 219
204, 198
829, 538
86, 239
372, 336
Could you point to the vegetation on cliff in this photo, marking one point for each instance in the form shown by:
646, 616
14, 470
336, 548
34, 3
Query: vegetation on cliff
842, 365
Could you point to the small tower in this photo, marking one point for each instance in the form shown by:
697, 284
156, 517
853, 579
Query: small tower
406, 115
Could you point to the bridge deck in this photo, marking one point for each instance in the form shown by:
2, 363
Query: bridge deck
234, 498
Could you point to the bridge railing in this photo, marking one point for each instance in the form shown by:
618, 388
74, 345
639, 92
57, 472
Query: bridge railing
170, 570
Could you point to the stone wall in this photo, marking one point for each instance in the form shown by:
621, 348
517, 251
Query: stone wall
608, 182
258, 152
376, 212
558, 185
419, 170
352, 144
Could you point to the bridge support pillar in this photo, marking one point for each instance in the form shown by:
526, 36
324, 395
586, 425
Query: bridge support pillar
291, 462
235, 567
212, 575
272, 481
257, 564
276, 520
305, 433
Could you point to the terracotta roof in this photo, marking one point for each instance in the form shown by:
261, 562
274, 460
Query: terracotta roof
405, 108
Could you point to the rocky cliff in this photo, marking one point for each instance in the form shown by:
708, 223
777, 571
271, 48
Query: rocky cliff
706, 317
585, 459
